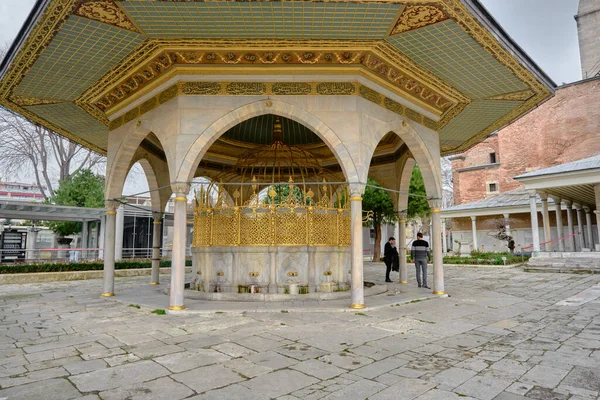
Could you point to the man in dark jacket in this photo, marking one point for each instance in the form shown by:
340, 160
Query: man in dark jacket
389, 255
420, 254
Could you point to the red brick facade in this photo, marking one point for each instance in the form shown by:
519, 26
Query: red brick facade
563, 129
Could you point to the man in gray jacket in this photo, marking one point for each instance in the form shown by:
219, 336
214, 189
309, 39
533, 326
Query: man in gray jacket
420, 253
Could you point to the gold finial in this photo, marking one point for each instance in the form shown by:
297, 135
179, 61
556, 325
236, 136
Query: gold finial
277, 131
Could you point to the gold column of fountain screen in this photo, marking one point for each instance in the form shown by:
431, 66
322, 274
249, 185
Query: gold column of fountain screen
275, 195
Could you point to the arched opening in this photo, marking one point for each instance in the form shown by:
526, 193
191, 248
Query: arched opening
275, 217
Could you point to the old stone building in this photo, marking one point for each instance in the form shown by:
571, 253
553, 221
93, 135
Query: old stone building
563, 129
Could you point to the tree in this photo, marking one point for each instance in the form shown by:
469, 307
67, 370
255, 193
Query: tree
418, 207
380, 203
82, 189
25, 146
447, 183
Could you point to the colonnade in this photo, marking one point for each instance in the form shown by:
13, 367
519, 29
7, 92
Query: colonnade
579, 235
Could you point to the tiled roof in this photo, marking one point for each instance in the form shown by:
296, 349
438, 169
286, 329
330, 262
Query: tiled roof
517, 197
579, 165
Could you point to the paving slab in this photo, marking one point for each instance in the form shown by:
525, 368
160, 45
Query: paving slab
122, 375
50, 389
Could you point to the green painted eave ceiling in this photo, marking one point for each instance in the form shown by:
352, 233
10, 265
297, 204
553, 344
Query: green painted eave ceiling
84, 50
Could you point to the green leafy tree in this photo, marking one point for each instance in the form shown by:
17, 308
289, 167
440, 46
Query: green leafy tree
417, 205
82, 189
380, 202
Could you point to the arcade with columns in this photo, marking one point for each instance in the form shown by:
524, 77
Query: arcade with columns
188, 89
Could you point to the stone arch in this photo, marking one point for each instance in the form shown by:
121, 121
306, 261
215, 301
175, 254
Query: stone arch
127, 152
160, 189
404, 174
421, 153
198, 148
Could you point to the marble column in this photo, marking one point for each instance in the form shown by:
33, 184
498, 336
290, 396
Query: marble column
101, 237
570, 228
580, 237
436, 247
109, 249
119, 228
357, 288
507, 224
588, 229
444, 242
559, 223
156, 241
179, 243
402, 249
474, 230
32, 233
598, 227
546, 222
535, 231
84, 238
313, 279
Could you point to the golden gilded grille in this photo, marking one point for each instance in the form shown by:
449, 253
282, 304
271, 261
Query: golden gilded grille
245, 212
263, 226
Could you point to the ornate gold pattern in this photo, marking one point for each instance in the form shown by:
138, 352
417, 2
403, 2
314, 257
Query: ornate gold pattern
151, 70
291, 88
106, 11
269, 88
261, 223
515, 96
335, 88
31, 101
200, 88
57, 11
418, 16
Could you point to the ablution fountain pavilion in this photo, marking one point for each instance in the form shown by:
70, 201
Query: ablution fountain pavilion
286, 107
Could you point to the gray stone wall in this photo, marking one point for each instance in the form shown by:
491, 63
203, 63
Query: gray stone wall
588, 29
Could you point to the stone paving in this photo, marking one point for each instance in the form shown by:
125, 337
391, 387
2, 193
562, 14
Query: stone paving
503, 334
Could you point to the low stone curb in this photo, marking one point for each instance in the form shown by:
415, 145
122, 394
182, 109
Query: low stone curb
38, 277
484, 265
267, 297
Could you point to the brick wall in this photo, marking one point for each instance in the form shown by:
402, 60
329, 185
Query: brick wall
563, 129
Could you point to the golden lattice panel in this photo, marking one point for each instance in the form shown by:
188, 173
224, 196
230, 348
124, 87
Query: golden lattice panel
202, 229
256, 229
225, 229
323, 227
290, 228
344, 230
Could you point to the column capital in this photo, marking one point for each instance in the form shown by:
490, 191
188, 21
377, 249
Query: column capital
506, 215
597, 212
402, 217
586, 209
532, 193
568, 204
180, 188
157, 216
473, 218
356, 189
111, 206
555, 199
435, 204
543, 196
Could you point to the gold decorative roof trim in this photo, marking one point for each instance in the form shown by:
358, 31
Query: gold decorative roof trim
418, 16
139, 74
271, 88
38, 120
515, 96
32, 101
459, 13
48, 25
106, 11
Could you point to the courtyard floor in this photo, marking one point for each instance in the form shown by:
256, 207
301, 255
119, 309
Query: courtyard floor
502, 334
